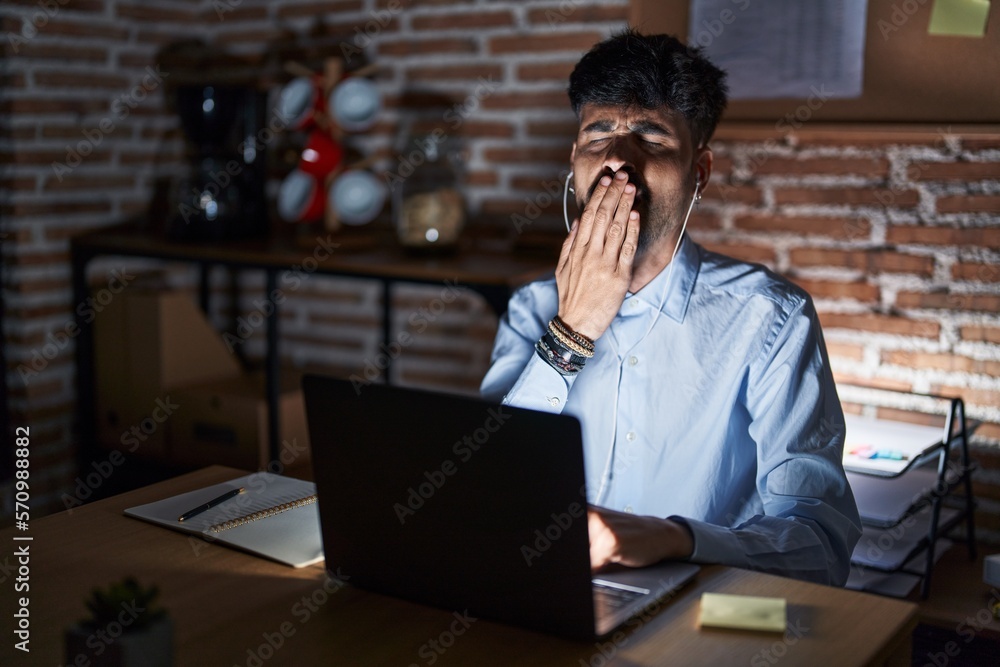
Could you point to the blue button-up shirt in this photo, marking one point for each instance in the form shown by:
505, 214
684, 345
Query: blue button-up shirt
709, 400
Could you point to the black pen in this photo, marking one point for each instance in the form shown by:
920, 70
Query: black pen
210, 504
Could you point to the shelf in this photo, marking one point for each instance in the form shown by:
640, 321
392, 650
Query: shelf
889, 549
883, 502
911, 503
897, 584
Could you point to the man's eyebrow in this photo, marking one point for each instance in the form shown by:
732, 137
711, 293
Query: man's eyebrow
639, 127
599, 126
649, 127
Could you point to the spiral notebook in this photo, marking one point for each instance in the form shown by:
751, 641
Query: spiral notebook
275, 517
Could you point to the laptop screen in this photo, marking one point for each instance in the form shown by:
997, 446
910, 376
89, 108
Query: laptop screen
453, 502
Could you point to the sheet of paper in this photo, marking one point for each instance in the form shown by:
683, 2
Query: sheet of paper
960, 18
883, 446
746, 612
804, 49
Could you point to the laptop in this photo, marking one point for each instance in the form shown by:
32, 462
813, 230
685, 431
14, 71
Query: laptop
466, 505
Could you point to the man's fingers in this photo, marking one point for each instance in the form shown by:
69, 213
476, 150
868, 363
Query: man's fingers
594, 522
616, 231
567, 246
603, 207
590, 210
607, 209
629, 245
603, 544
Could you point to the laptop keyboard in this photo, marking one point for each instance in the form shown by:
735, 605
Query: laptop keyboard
611, 597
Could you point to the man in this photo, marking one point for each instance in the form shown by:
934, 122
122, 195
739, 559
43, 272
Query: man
712, 427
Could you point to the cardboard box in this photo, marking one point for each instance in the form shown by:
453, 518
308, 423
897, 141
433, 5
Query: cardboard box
226, 423
111, 377
147, 343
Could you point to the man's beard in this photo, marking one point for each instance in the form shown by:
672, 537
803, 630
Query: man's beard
654, 224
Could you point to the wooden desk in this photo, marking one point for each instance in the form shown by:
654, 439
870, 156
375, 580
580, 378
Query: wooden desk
231, 608
492, 273
959, 597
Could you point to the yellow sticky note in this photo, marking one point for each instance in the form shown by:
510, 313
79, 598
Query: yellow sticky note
963, 18
746, 612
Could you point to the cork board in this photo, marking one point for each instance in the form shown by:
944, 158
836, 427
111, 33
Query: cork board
909, 75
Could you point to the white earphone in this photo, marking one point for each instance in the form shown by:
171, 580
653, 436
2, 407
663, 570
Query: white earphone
566, 189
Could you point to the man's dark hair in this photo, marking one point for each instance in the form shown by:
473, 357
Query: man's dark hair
651, 71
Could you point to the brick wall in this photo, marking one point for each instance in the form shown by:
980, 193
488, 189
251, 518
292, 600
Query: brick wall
896, 234
83, 135
894, 230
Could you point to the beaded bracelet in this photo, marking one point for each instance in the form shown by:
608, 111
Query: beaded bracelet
580, 339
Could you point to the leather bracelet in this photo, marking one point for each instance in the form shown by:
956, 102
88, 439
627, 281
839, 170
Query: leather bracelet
560, 358
565, 341
565, 352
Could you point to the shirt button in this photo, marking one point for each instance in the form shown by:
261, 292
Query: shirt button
632, 303
633, 360
553, 401
628, 509
630, 436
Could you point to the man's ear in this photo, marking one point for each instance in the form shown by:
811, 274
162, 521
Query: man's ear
572, 155
703, 163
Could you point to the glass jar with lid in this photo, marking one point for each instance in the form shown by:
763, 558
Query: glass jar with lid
428, 207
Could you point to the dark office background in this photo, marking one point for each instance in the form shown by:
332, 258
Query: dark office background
893, 229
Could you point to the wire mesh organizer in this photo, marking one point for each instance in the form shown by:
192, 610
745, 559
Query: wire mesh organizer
913, 486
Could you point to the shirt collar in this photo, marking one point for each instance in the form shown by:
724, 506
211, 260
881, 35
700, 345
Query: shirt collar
685, 272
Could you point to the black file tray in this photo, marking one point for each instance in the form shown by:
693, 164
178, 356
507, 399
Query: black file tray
931, 495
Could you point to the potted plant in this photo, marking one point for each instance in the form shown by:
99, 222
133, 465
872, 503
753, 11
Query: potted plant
126, 629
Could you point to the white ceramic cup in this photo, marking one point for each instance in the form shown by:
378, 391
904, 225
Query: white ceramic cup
357, 196
355, 104
300, 197
297, 102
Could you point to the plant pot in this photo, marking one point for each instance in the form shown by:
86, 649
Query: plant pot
115, 646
